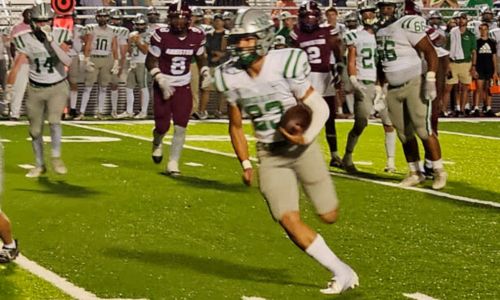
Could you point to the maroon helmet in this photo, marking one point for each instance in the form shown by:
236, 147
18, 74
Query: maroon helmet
179, 17
309, 16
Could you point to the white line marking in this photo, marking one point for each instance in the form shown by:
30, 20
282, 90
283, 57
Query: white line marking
448, 162
4, 141
56, 280
418, 296
391, 184
109, 165
26, 166
252, 298
488, 137
193, 164
363, 163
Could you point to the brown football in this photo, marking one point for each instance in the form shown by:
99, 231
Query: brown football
296, 119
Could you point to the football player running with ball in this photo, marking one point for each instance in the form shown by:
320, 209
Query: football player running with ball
168, 61
263, 84
400, 39
46, 50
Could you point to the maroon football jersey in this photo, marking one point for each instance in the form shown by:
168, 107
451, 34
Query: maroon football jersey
174, 53
316, 45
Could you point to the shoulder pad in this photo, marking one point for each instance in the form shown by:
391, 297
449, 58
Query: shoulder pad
412, 23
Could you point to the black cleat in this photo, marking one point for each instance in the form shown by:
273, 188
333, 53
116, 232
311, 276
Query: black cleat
428, 172
336, 162
7, 255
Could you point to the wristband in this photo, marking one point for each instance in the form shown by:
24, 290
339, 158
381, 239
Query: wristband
431, 76
246, 164
154, 72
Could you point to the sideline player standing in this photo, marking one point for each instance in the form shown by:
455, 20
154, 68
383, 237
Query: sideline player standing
168, 61
264, 84
46, 52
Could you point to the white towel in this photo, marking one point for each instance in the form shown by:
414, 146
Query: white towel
456, 50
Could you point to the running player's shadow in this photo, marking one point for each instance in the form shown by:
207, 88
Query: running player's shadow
210, 266
372, 176
203, 183
63, 188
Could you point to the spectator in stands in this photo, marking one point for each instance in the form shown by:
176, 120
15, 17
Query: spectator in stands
486, 67
231, 3
19, 87
462, 47
216, 50
228, 18
287, 21
284, 3
196, 2
92, 12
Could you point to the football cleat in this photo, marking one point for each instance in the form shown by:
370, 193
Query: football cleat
141, 116
348, 164
157, 153
173, 168
336, 162
342, 282
36, 172
390, 169
79, 117
9, 254
413, 179
125, 115
428, 172
440, 178
58, 166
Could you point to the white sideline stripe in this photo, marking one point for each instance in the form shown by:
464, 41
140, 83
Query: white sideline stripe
4, 141
418, 296
109, 165
422, 190
391, 184
193, 164
26, 166
56, 280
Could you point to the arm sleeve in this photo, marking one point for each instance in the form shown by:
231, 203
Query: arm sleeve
155, 42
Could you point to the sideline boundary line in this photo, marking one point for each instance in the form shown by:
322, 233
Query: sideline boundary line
390, 184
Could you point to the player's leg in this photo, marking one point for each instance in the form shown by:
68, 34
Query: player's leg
9, 249
331, 134
182, 105
35, 107
56, 102
115, 79
419, 111
195, 86
105, 78
363, 103
131, 84
90, 79
73, 74
142, 84
162, 111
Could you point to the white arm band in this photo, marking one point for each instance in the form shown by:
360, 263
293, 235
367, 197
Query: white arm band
320, 114
63, 56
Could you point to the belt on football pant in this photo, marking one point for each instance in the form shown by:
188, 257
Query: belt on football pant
100, 56
44, 85
393, 87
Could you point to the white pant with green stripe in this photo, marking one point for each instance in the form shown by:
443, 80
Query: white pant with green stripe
409, 111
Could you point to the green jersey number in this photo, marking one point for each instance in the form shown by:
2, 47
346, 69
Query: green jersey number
49, 64
255, 112
367, 59
387, 50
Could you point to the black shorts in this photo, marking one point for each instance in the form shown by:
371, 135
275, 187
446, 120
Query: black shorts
485, 75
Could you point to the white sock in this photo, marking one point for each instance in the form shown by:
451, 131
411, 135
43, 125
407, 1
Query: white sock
476, 107
73, 96
457, 107
320, 251
37, 144
414, 166
114, 100
145, 100
428, 163
390, 145
85, 99
130, 100
467, 105
488, 108
56, 135
339, 110
349, 98
177, 142
101, 98
10, 246
437, 164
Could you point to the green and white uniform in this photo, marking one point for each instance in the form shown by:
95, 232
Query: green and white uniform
402, 67
100, 54
122, 35
265, 98
137, 72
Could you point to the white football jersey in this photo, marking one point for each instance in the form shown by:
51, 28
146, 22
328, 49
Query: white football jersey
45, 66
395, 45
136, 56
78, 33
121, 34
102, 39
265, 98
366, 52
495, 35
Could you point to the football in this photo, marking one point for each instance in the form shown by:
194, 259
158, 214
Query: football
296, 119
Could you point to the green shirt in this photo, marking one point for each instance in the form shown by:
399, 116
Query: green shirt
468, 44
285, 32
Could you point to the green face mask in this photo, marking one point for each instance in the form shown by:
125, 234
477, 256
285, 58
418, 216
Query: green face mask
246, 59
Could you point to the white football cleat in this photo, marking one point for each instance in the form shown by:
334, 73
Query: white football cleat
157, 153
141, 116
36, 172
173, 168
58, 166
125, 115
342, 282
440, 178
413, 179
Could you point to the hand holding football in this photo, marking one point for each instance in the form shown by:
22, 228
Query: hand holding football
296, 119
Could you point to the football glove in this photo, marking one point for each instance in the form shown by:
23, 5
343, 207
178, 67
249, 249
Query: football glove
89, 66
430, 86
356, 84
163, 82
206, 78
379, 101
115, 70
47, 30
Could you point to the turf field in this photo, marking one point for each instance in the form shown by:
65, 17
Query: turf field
117, 227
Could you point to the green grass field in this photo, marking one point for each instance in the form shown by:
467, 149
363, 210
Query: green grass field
132, 232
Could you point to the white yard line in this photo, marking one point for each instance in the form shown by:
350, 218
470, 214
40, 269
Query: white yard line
391, 184
418, 296
61, 283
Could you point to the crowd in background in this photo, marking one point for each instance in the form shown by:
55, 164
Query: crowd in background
461, 92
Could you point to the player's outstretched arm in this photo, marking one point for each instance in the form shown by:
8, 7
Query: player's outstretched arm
239, 142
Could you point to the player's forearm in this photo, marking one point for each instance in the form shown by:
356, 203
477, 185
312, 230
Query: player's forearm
61, 54
151, 62
12, 76
143, 47
351, 59
201, 60
239, 142
88, 46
